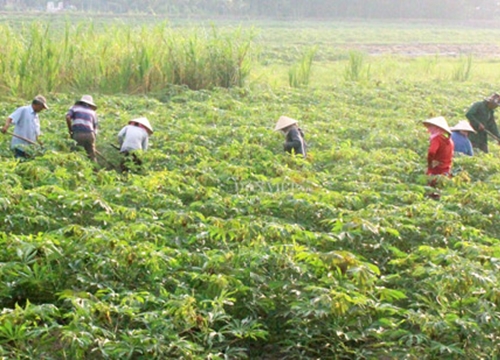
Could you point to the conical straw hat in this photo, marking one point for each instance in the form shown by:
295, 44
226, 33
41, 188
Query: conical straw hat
283, 122
463, 126
87, 99
144, 122
440, 122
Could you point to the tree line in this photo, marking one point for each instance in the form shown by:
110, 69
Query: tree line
416, 9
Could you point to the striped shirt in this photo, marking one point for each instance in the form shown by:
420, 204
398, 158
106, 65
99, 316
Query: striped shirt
27, 125
83, 118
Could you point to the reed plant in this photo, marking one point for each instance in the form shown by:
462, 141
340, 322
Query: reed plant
120, 58
300, 73
463, 69
356, 68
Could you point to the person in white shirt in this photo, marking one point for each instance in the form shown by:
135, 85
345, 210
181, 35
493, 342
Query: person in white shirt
132, 138
26, 127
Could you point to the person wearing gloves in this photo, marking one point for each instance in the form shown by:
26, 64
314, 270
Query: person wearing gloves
82, 122
294, 136
482, 119
26, 126
460, 136
132, 138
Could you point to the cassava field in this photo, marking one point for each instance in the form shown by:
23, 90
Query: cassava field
222, 246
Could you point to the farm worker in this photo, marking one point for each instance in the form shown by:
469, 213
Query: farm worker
460, 136
132, 138
440, 153
481, 117
82, 123
26, 126
294, 141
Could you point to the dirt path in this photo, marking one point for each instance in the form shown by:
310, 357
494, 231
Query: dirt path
414, 50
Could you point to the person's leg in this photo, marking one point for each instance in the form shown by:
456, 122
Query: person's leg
90, 146
87, 141
479, 141
124, 163
20, 154
137, 161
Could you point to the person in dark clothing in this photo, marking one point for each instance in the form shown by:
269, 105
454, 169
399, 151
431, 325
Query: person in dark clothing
82, 123
294, 141
482, 119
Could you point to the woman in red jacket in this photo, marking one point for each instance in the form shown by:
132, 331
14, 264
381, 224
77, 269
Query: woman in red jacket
440, 153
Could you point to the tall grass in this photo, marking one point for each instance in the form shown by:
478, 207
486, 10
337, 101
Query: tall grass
356, 68
120, 58
462, 71
300, 73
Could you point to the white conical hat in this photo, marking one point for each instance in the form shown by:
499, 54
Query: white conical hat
463, 126
144, 122
283, 122
87, 99
440, 122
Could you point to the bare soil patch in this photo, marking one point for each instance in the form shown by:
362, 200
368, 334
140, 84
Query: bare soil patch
415, 50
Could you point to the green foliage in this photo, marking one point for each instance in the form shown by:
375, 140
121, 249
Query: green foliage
300, 73
120, 58
226, 247
463, 69
356, 69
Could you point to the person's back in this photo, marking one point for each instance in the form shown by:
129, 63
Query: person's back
460, 136
481, 118
84, 118
462, 144
132, 138
441, 151
82, 123
295, 141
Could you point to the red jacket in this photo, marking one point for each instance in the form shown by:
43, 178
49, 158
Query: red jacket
440, 150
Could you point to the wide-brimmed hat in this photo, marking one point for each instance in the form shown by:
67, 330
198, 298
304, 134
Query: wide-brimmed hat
41, 100
463, 125
493, 98
440, 122
144, 122
283, 122
87, 99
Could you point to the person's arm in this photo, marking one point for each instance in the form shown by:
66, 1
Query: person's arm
493, 128
38, 132
121, 135
431, 153
145, 143
470, 150
69, 123
96, 124
7, 124
474, 118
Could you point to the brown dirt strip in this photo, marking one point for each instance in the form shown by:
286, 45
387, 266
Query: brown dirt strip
415, 50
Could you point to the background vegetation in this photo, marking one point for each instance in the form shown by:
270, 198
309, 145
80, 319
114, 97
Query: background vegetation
223, 247
299, 9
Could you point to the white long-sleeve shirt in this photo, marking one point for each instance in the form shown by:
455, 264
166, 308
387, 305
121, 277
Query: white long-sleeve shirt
133, 138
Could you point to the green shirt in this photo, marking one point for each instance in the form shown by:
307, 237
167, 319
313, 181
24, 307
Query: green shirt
480, 113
